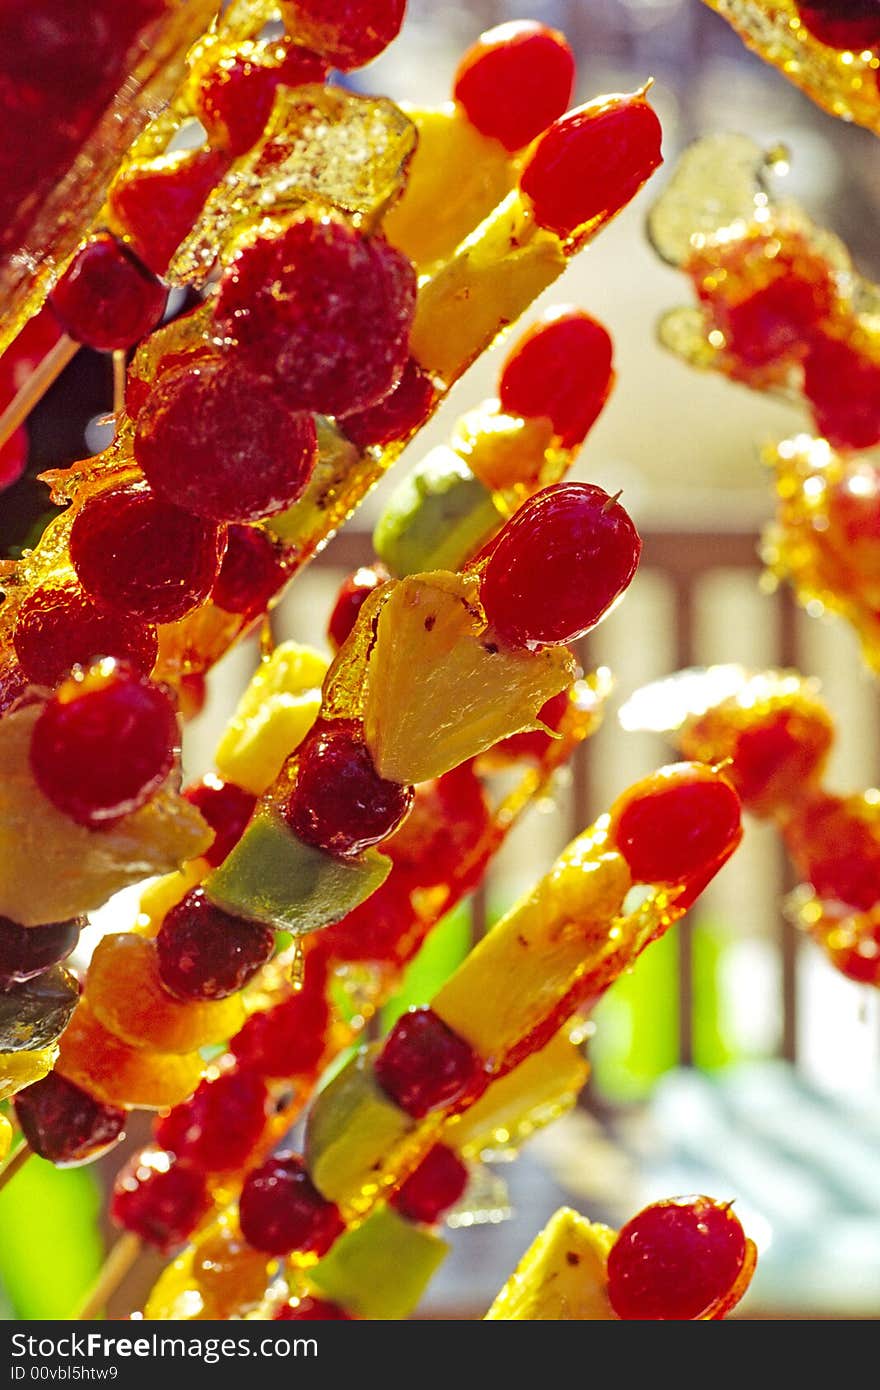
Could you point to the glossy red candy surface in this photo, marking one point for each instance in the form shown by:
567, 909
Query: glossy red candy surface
675, 823
424, 1065
205, 953
106, 298
219, 1126
226, 807
65, 1125
354, 590
61, 626
562, 369
349, 33
515, 80
281, 1210
433, 1187
339, 802
250, 574
675, 1259
159, 1199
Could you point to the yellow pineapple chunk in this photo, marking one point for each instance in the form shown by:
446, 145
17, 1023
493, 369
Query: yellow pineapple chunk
273, 716
534, 1094
51, 868
441, 687
562, 1276
20, 1069
523, 968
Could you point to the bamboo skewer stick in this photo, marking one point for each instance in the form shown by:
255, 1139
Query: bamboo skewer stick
116, 1266
118, 382
14, 1164
36, 386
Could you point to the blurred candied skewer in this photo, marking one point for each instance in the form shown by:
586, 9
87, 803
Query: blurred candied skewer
774, 734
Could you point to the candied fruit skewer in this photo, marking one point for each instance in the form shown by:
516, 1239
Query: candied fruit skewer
370, 1126
775, 734
827, 49
685, 1259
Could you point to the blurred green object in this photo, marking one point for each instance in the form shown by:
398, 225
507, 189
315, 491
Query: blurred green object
713, 1044
636, 1038
51, 1249
446, 946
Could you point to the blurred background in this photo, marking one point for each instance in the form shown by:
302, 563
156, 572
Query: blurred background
733, 1060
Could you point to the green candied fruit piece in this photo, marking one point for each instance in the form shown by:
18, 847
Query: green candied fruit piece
437, 517
33, 1015
380, 1270
274, 877
353, 1135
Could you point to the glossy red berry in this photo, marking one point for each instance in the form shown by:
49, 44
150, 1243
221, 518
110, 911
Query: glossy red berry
234, 99
107, 299
323, 310
562, 369
855, 951
226, 807
515, 80
218, 1128
155, 203
65, 1125
592, 162
290, 1038
104, 744
214, 440
349, 33
205, 953
424, 1065
159, 1199
251, 572
281, 1210
676, 823
835, 846
379, 928
397, 416
310, 1309
434, 1187
585, 549
60, 626
350, 599
843, 388
137, 553
448, 825
675, 1260
843, 24
339, 802
27, 951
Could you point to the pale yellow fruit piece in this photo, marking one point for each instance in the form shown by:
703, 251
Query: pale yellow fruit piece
126, 995
562, 1276
525, 966
51, 868
494, 275
534, 1094
119, 1074
436, 212
20, 1069
273, 716
176, 1295
504, 451
441, 687
5, 1137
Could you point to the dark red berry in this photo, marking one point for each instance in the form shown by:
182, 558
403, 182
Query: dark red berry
234, 99
449, 820
350, 599
379, 927
214, 440
562, 369
424, 1065
218, 1128
251, 572
843, 24
155, 203
137, 553
281, 1210
515, 80
674, 1260
13, 457
592, 162
323, 310
585, 549
107, 299
159, 1199
310, 1309
349, 33
28, 951
676, 823
434, 1187
290, 1038
227, 809
65, 1125
339, 802
104, 744
402, 411
60, 626
843, 387
205, 953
